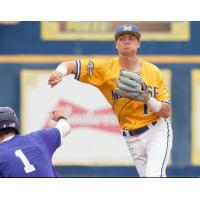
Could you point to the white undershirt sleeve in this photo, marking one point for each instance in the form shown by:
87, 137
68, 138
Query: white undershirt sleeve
64, 128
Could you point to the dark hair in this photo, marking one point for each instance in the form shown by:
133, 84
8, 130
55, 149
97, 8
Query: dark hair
6, 131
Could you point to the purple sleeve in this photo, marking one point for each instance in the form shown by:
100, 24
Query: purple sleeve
50, 137
1, 174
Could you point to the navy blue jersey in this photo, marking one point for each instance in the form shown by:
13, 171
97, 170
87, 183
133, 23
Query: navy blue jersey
29, 155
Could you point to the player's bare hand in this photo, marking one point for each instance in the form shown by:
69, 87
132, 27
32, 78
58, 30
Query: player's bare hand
55, 78
58, 113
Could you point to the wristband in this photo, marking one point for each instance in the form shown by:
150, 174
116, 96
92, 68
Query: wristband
154, 105
62, 69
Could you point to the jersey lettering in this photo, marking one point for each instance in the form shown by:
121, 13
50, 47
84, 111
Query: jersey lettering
115, 96
153, 91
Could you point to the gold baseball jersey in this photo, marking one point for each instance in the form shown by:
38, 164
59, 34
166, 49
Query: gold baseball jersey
102, 73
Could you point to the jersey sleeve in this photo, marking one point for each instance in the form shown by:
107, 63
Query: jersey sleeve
163, 94
91, 71
1, 174
50, 137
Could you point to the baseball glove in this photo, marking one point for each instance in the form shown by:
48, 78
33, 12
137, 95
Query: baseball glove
130, 85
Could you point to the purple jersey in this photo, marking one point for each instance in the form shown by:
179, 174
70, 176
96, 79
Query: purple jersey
30, 155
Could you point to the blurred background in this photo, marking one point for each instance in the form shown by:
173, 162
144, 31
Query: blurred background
29, 51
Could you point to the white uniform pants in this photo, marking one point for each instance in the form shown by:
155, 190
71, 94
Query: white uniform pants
151, 149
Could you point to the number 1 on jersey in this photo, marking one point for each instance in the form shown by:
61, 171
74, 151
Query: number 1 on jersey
27, 166
145, 109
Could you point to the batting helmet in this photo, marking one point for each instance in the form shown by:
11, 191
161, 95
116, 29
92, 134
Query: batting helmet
8, 119
128, 28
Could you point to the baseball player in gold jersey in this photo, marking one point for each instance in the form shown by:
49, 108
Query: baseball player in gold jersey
143, 121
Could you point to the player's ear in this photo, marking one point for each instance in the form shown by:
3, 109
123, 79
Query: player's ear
116, 46
139, 44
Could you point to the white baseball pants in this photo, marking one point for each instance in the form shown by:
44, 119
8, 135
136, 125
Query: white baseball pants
151, 149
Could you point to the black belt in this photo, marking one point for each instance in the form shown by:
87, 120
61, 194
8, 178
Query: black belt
137, 131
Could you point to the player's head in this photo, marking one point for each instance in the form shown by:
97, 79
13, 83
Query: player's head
8, 120
127, 28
